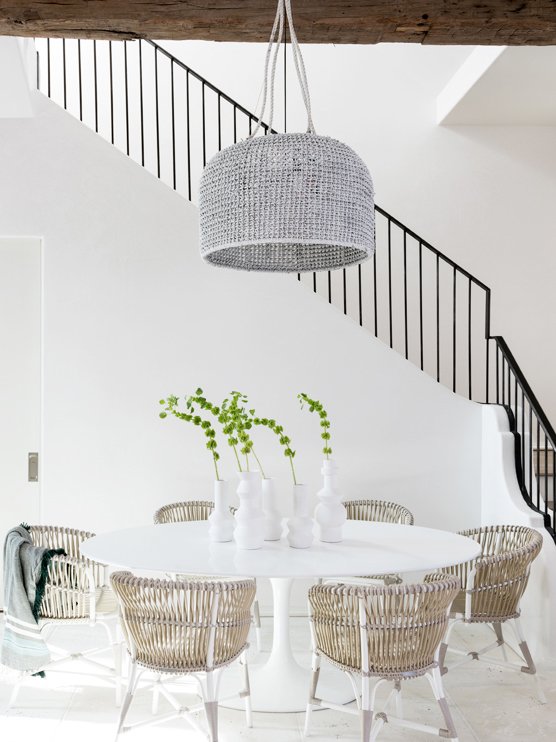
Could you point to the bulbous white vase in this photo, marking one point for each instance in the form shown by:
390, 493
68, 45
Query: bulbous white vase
330, 513
221, 521
272, 517
249, 518
300, 527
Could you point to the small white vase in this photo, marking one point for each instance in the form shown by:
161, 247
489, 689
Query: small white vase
249, 518
300, 527
330, 513
272, 518
221, 521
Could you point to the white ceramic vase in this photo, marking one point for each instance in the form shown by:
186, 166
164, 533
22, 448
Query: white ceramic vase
249, 518
300, 526
221, 521
272, 517
330, 513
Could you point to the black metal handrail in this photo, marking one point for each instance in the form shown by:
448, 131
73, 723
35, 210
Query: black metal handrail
417, 300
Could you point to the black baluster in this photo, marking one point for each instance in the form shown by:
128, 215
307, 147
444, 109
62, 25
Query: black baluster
454, 324
469, 364
157, 123
142, 123
406, 341
360, 297
173, 124
80, 79
95, 82
126, 91
111, 92
64, 72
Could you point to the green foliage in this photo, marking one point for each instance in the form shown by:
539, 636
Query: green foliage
315, 406
172, 408
279, 431
234, 421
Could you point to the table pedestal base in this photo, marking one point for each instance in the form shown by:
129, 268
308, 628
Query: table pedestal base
281, 684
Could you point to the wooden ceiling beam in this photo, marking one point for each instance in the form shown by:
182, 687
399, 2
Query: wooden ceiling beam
500, 22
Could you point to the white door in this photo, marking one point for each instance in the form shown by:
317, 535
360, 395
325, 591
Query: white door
20, 381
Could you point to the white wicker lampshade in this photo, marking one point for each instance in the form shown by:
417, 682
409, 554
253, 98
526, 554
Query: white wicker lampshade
286, 202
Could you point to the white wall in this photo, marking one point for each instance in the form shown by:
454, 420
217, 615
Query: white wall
484, 195
503, 503
131, 315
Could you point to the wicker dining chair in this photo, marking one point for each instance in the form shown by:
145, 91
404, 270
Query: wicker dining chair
191, 510
180, 628
378, 511
389, 633
76, 592
492, 588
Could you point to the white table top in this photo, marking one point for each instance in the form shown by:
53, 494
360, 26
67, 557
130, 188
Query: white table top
367, 548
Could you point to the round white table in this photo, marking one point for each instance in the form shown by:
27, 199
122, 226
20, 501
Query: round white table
280, 683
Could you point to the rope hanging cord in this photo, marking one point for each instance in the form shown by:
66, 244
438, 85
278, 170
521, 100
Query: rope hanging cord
286, 202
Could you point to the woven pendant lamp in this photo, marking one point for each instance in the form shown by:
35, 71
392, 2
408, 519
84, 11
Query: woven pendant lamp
286, 202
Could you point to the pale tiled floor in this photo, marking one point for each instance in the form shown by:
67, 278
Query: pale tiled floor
488, 704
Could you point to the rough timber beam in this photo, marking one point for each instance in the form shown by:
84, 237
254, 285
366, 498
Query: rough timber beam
511, 22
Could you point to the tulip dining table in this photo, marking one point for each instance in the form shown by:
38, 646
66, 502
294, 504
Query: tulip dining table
279, 683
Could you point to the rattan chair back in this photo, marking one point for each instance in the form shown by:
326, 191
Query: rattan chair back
379, 511
72, 578
403, 625
181, 625
182, 512
497, 580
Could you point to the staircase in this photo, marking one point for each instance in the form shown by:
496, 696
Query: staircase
170, 120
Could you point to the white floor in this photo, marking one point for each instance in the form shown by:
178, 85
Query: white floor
488, 704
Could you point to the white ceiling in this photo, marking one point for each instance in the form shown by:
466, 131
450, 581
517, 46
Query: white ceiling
502, 86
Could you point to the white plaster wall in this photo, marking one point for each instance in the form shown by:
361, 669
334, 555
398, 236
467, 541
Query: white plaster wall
484, 195
503, 503
131, 315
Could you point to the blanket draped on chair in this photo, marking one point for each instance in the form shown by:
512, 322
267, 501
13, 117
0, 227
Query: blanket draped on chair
25, 575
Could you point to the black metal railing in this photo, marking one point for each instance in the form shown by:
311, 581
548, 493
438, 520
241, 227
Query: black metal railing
414, 298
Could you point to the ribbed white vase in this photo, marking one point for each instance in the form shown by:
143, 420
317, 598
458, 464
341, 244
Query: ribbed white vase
330, 513
249, 518
221, 521
300, 526
272, 517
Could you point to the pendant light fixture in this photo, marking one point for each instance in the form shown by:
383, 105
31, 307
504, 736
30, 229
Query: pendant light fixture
286, 202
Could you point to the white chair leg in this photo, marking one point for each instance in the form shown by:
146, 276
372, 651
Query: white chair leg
500, 637
211, 706
14, 694
246, 693
156, 697
257, 625
530, 668
315, 667
435, 679
366, 709
398, 699
117, 659
132, 682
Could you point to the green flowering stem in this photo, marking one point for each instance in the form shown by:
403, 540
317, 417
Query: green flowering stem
172, 407
240, 424
316, 406
258, 463
222, 414
279, 431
